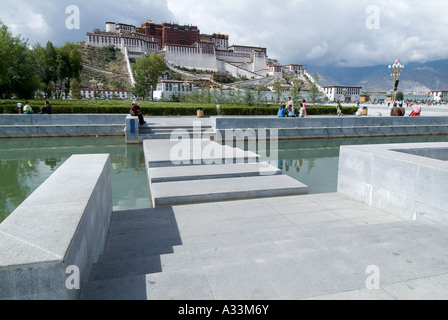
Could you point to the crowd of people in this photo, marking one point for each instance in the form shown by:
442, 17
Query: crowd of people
47, 108
289, 111
398, 110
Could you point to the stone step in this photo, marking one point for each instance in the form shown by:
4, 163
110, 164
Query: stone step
173, 129
166, 153
227, 189
168, 136
205, 172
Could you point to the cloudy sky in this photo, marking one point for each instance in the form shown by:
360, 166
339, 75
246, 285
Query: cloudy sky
318, 32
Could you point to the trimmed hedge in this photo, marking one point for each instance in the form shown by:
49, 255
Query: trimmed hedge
161, 108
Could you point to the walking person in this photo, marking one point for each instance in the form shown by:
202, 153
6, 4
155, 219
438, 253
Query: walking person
339, 109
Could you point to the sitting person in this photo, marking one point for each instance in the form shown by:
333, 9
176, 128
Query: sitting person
395, 111
291, 112
135, 111
402, 109
46, 109
282, 112
27, 108
416, 112
290, 108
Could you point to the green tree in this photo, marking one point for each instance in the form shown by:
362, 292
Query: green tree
399, 96
237, 96
69, 66
75, 88
18, 69
5, 57
296, 88
278, 89
46, 59
259, 93
249, 97
147, 71
313, 88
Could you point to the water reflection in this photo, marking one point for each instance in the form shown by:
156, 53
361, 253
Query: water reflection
316, 162
26, 163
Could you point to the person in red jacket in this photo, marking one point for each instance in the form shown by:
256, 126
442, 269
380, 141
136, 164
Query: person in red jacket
135, 111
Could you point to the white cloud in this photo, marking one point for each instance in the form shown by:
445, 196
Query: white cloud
22, 20
318, 51
293, 31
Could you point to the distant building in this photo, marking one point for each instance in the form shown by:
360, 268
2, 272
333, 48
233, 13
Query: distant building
90, 93
440, 95
276, 70
171, 33
123, 36
168, 88
296, 68
343, 94
183, 46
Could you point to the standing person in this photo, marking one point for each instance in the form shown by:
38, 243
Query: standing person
135, 111
289, 104
290, 107
27, 108
304, 108
47, 108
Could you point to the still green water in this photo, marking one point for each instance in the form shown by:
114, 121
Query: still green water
27, 163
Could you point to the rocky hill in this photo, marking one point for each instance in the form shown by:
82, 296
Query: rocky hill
106, 65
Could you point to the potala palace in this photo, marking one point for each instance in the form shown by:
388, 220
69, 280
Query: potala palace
185, 46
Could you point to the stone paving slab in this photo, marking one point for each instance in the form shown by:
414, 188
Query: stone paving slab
259, 249
171, 174
166, 153
226, 189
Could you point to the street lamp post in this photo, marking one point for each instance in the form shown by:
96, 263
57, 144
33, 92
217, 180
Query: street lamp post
395, 71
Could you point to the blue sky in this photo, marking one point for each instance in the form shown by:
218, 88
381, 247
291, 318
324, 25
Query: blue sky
319, 32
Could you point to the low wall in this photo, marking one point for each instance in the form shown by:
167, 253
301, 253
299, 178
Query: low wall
335, 127
132, 130
50, 242
67, 125
405, 180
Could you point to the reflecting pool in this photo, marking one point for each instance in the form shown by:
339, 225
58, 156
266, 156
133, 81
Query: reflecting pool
27, 163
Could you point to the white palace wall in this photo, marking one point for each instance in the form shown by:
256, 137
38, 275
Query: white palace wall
190, 57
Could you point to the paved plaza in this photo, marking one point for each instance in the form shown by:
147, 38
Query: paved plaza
321, 246
302, 247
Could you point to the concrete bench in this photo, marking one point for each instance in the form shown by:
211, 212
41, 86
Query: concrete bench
50, 242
